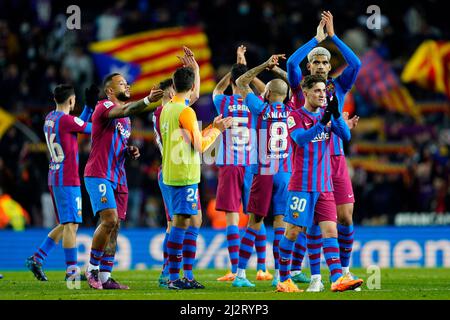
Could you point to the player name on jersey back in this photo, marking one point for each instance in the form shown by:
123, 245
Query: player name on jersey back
60, 131
237, 144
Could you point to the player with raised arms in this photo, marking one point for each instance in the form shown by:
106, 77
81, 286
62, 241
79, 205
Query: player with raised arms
319, 64
105, 176
273, 169
235, 154
61, 130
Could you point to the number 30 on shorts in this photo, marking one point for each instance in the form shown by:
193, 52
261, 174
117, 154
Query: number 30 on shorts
298, 204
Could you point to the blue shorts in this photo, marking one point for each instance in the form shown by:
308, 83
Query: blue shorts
105, 194
67, 203
182, 200
300, 208
269, 190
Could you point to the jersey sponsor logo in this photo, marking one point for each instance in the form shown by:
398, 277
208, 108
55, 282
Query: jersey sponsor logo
277, 156
108, 104
78, 121
321, 137
122, 130
238, 107
290, 122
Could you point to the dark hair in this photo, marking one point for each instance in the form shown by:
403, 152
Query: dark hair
108, 78
183, 79
62, 92
237, 70
310, 80
163, 85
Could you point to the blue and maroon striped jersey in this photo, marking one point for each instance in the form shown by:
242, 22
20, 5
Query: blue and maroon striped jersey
109, 145
333, 86
311, 160
341, 84
273, 143
237, 144
60, 132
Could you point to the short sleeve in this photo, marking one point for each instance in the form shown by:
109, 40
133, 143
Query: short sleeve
219, 100
72, 124
104, 107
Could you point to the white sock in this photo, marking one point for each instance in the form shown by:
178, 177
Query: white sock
345, 270
92, 267
295, 272
104, 276
241, 273
277, 273
316, 276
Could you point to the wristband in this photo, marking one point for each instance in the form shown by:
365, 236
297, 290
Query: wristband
146, 101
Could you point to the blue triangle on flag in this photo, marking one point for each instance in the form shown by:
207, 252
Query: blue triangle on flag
105, 64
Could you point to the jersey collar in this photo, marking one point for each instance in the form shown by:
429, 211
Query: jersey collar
177, 99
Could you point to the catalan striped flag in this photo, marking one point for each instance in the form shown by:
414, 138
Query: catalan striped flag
146, 58
429, 67
378, 82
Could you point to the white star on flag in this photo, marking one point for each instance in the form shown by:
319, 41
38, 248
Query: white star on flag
124, 71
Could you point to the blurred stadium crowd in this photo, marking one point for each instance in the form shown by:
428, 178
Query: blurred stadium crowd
399, 163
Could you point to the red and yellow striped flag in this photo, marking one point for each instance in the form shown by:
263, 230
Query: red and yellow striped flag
429, 67
149, 57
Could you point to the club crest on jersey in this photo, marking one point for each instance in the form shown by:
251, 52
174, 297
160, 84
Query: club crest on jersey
194, 206
330, 88
79, 213
295, 215
290, 122
108, 104
103, 200
78, 121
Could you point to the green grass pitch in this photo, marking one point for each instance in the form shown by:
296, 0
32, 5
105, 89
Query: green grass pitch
396, 284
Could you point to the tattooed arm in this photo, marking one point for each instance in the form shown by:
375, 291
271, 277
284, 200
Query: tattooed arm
136, 107
243, 82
